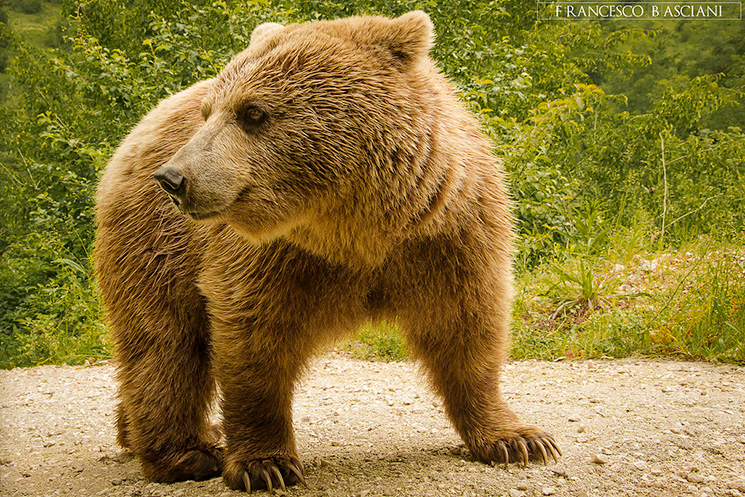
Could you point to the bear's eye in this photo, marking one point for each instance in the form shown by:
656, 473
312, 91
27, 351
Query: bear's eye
250, 116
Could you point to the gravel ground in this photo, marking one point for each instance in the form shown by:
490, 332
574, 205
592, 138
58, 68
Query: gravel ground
626, 427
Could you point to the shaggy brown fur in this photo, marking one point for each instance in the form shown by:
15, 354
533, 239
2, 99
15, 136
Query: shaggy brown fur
327, 177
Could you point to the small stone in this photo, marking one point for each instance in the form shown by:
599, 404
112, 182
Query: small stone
694, 478
573, 419
656, 472
640, 465
648, 266
549, 491
599, 459
523, 485
581, 428
515, 493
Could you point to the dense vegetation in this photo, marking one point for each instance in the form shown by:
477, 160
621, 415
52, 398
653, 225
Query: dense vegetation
623, 143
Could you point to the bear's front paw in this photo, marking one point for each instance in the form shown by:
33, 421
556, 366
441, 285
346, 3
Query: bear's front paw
268, 473
527, 443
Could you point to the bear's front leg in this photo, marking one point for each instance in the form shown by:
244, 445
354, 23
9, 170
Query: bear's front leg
458, 327
256, 367
463, 356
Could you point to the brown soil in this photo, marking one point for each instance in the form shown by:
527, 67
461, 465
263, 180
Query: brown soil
626, 427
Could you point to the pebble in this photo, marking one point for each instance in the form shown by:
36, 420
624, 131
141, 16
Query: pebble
656, 472
599, 459
549, 491
640, 465
695, 478
515, 493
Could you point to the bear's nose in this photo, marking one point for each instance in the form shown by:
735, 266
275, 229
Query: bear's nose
170, 180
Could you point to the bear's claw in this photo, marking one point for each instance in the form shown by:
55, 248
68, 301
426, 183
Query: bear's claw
520, 448
269, 474
298, 471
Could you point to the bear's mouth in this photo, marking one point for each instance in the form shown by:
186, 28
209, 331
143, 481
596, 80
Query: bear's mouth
203, 215
199, 216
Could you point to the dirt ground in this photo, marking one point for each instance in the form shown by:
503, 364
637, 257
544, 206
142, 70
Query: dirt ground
626, 427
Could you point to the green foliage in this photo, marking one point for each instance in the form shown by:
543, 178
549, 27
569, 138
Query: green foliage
616, 140
681, 50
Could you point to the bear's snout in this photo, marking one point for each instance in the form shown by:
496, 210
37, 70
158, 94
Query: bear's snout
171, 181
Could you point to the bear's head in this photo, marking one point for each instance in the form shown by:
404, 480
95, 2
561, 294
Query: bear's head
316, 131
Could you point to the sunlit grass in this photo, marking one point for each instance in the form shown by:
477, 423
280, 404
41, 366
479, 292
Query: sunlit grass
687, 304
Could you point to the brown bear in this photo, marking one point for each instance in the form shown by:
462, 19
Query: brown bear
327, 177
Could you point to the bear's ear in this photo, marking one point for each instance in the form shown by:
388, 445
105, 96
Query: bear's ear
262, 32
409, 37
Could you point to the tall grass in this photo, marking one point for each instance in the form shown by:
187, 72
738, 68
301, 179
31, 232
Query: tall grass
688, 304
